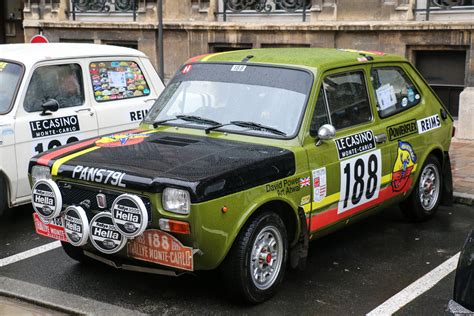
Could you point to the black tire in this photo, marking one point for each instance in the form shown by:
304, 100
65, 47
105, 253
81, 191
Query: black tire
414, 208
3, 196
73, 252
237, 267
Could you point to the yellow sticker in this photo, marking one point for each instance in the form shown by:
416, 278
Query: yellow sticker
3, 65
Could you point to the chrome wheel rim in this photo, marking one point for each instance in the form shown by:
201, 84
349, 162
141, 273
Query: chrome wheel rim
266, 257
429, 187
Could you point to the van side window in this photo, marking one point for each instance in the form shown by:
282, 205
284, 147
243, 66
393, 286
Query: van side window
347, 99
394, 90
62, 83
117, 80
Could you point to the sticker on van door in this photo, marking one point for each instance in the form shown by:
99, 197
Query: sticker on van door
54, 126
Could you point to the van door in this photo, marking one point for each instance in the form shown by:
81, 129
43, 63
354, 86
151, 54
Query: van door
37, 130
124, 89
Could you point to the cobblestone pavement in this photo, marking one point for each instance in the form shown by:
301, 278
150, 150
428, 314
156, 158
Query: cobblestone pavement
462, 160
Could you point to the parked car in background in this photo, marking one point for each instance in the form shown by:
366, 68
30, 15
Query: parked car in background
56, 94
244, 158
463, 296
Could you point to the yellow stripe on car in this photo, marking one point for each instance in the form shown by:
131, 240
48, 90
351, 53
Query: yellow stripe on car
59, 162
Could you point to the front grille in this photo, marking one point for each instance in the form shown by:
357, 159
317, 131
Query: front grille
86, 196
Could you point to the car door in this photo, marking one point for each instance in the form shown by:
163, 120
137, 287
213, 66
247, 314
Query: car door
348, 171
124, 89
37, 130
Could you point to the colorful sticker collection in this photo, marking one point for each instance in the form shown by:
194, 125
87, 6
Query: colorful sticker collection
117, 80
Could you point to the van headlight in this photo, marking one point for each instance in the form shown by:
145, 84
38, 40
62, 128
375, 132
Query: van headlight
40, 172
176, 200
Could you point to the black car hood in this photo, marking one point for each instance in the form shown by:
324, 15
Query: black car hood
149, 161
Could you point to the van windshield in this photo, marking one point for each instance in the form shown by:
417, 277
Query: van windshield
10, 75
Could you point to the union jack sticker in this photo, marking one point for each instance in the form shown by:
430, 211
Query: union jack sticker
304, 182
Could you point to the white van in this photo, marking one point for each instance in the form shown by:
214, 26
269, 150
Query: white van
55, 94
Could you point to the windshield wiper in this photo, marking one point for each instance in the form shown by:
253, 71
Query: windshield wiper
251, 125
188, 118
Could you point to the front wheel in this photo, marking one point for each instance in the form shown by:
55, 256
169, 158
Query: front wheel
255, 266
424, 200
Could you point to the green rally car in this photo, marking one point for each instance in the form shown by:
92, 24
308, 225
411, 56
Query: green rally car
244, 158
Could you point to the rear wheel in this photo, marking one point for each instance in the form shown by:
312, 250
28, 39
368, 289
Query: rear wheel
255, 266
3, 196
423, 202
73, 252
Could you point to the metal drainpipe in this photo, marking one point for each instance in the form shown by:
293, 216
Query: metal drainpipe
42, 5
160, 40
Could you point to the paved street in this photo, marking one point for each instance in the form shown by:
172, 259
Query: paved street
349, 272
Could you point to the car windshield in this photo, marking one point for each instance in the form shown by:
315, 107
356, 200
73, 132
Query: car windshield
251, 99
10, 74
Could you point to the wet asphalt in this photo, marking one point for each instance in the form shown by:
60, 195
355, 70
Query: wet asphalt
351, 271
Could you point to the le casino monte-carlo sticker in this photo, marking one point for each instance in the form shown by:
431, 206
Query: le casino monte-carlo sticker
355, 144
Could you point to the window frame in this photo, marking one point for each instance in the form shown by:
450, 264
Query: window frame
72, 62
17, 88
367, 90
413, 82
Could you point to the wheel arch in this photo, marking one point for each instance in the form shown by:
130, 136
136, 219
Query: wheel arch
6, 181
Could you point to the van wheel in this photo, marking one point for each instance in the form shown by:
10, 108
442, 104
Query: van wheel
73, 252
424, 200
255, 266
3, 196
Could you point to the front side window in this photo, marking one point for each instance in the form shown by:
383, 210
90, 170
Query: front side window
10, 75
347, 99
117, 80
224, 93
394, 90
320, 115
62, 83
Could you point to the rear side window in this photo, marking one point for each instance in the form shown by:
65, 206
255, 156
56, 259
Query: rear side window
117, 80
394, 90
347, 99
62, 83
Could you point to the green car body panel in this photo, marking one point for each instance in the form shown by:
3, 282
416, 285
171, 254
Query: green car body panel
316, 166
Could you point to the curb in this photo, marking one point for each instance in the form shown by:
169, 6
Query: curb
463, 198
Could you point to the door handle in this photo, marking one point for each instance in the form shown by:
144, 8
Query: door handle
381, 138
87, 109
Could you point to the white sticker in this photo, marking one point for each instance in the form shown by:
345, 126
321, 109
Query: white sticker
386, 96
360, 180
404, 102
239, 68
319, 184
417, 96
117, 79
428, 123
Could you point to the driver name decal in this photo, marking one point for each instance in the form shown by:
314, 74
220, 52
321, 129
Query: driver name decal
54, 126
352, 145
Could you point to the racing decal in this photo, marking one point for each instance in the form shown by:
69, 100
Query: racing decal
305, 199
360, 180
51, 229
129, 215
285, 187
428, 123
47, 158
186, 69
138, 115
319, 184
117, 140
104, 236
351, 145
99, 175
402, 129
159, 247
239, 68
43, 146
305, 182
76, 225
403, 167
54, 126
46, 198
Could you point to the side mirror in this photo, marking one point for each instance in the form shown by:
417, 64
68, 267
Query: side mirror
50, 105
325, 132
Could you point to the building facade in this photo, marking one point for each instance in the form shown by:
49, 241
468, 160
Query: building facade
436, 35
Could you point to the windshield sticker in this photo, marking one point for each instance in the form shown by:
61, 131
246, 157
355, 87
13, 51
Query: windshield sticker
403, 167
401, 130
117, 80
239, 68
186, 69
386, 96
319, 184
118, 140
428, 123
103, 176
55, 126
355, 144
3, 65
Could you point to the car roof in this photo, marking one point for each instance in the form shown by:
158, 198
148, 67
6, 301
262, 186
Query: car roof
320, 58
30, 54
